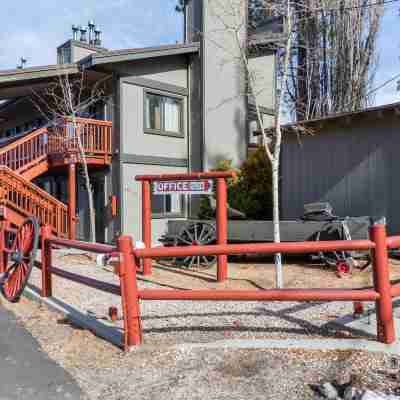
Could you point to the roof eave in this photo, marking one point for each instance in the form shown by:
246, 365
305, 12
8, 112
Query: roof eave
41, 72
100, 59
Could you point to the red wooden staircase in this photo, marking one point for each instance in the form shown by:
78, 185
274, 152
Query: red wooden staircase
38, 152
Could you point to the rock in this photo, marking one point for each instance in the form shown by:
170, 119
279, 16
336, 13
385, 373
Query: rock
370, 395
351, 393
328, 391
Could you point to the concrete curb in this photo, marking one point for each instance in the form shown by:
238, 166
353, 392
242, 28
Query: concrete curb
300, 344
97, 327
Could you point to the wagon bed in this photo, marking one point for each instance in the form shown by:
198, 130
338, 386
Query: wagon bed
242, 231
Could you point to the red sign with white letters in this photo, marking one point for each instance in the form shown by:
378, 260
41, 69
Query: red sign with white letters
183, 187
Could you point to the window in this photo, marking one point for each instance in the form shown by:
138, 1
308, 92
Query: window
163, 115
65, 55
167, 205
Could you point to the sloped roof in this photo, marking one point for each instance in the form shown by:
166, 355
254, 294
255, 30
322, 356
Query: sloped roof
124, 55
301, 126
19, 82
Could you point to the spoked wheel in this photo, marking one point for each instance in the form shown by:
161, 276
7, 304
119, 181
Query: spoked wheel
344, 261
196, 234
23, 255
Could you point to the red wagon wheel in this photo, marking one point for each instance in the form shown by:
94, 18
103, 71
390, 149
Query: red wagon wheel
23, 255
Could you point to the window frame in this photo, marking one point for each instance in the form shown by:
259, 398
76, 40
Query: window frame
166, 215
162, 131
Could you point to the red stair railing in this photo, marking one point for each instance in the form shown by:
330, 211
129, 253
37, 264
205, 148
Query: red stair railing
26, 199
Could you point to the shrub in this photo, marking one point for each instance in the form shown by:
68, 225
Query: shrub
251, 192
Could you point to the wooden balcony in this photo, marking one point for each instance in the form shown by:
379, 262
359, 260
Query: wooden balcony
88, 136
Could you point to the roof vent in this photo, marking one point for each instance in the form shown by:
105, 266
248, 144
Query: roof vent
22, 63
91, 26
75, 30
97, 36
83, 31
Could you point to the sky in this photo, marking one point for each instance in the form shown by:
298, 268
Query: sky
34, 29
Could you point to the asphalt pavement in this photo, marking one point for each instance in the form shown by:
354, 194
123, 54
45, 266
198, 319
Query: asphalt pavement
26, 372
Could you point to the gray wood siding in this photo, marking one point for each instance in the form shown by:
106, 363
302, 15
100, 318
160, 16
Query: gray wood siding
171, 70
263, 68
225, 105
354, 167
135, 140
132, 199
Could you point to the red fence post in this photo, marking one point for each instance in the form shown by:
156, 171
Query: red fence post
146, 224
222, 227
384, 306
3, 254
129, 293
46, 261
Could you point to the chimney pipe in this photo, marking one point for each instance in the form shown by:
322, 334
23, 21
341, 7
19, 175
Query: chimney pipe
23, 61
83, 33
75, 30
91, 26
97, 38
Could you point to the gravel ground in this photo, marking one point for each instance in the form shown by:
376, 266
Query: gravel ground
181, 322
155, 370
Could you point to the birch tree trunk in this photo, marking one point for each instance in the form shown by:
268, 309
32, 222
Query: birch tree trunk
86, 177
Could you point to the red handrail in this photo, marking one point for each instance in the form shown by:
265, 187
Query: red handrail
94, 136
184, 177
27, 199
25, 152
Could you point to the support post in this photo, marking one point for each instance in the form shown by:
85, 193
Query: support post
146, 224
72, 201
3, 254
222, 228
384, 307
47, 289
129, 293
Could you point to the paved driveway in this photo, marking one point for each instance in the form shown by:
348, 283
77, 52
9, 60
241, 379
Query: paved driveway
25, 371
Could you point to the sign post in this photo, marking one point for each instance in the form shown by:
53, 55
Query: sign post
201, 183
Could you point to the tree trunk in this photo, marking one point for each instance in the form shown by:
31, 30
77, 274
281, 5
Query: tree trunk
276, 222
88, 186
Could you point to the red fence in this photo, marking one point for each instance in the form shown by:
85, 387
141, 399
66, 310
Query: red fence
382, 291
125, 271
221, 212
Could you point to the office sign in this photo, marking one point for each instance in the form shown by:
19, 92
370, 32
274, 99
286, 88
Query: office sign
204, 186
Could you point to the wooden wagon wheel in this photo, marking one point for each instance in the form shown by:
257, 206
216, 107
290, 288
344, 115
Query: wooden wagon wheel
22, 255
196, 234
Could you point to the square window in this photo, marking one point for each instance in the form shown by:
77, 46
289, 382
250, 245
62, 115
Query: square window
172, 115
163, 114
167, 205
153, 111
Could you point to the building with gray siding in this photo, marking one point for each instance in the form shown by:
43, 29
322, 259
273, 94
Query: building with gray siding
350, 160
174, 108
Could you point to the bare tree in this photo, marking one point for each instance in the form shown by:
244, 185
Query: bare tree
230, 36
334, 56
61, 103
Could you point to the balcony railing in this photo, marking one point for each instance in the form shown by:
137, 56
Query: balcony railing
25, 152
27, 199
93, 137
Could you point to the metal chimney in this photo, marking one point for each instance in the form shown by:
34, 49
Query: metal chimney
97, 37
75, 30
22, 64
83, 30
91, 26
